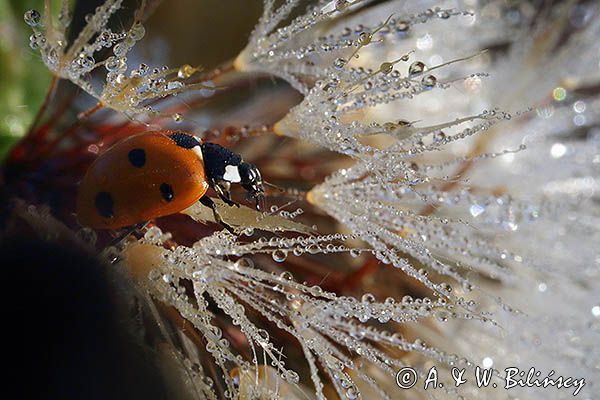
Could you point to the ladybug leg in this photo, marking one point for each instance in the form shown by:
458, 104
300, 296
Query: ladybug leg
223, 190
207, 201
121, 238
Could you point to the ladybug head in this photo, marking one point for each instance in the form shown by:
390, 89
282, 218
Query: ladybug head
251, 180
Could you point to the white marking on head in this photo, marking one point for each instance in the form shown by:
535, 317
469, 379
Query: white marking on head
198, 151
232, 174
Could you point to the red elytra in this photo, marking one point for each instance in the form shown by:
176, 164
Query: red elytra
140, 178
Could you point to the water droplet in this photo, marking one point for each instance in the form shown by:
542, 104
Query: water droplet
244, 263
37, 40
185, 71
279, 255
286, 275
364, 38
263, 336
32, 18
429, 81
442, 316
402, 26
355, 252
291, 377
445, 287
174, 85
416, 68
341, 5
352, 393
120, 50
85, 61
137, 32
368, 298
339, 63
153, 234
467, 286
386, 67
177, 117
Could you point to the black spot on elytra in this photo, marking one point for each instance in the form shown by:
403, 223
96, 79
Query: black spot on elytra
184, 140
104, 204
166, 191
137, 157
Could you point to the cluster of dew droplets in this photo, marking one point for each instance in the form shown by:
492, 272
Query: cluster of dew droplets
278, 52
389, 180
341, 89
122, 91
319, 320
321, 117
397, 188
73, 60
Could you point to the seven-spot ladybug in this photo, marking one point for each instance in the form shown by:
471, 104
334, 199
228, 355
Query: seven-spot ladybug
160, 173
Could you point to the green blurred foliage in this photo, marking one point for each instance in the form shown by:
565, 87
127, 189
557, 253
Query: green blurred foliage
24, 79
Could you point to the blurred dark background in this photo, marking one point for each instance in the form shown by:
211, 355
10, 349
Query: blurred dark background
63, 336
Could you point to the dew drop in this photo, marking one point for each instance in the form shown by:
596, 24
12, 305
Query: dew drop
416, 68
32, 18
386, 67
341, 5
291, 377
286, 275
364, 39
368, 298
185, 71
429, 81
263, 335
355, 253
279, 255
244, 263
352, 394
37, 40
339, 63
442, 316
402, 26
137, 32
153, 234
467, 286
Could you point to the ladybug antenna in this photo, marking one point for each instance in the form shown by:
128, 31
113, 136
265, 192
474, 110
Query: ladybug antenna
282, 190
292, 192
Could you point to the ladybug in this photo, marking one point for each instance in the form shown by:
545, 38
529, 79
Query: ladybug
160, 173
